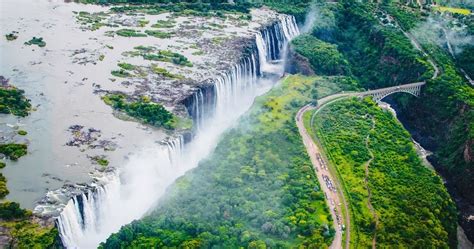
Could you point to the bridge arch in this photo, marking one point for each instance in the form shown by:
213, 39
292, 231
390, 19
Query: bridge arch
412, 89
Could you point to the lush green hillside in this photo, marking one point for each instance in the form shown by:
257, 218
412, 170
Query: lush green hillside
380, 55
257, 188
442, 119
372, 152
324, 57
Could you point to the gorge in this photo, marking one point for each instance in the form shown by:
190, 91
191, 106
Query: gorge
90, 218
190, 124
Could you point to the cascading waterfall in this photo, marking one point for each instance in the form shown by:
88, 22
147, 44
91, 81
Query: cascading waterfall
270, 46
90, 218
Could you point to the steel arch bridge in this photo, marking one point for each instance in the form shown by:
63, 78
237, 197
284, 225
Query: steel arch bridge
412, 88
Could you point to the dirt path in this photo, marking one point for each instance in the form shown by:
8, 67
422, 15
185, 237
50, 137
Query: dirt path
328, 184
366, 180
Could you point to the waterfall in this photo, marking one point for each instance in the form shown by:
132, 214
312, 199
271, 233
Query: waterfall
91, 217
270, 46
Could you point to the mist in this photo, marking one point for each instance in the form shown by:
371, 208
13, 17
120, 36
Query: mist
439, 31
143, 180
316, 16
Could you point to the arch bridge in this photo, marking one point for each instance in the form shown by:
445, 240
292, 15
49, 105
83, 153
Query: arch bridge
412, 88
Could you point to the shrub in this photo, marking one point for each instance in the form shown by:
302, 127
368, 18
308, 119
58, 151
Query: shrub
129, 33
36, 41
13, 151
11, 210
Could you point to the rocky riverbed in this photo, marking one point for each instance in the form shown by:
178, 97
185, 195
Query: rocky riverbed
86, 51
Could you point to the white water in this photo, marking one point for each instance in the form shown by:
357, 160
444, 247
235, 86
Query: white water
90, 219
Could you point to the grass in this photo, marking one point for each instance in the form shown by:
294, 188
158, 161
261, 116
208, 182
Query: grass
92, 21
164, 24
22, 132
199, 52
142, 23
126, 66
257, 189
121, 73
218, 40
453, 10
403, 189
153, 54
165, 73
129, 33
101, 160
27, 233
158, 34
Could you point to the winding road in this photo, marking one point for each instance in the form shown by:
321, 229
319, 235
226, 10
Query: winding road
333, 198
334, 195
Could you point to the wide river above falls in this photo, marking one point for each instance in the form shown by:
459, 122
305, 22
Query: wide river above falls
60, 81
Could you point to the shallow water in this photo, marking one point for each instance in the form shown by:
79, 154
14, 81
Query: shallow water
62, 91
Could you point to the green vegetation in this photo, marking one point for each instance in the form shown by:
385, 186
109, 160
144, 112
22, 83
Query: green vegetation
218, 9
442, 118
13, 151
2, 165
92, 21
378, 56
199, 52
453, 10
101, 160
164, 24
3, 186
163, 72
447, 105
256, 190
143, 109
11, 36
22, 132
153, 54
27, 233
126, 66
324, 57
13, 101
218, 40
158, 34
36, 41
130, 33
11, 210
168, 56
121, 73
142, 23
414, 209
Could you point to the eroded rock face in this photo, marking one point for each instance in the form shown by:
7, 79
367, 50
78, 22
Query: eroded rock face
213, 45
298, 64
67, 78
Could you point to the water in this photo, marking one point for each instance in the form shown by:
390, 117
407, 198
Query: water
62, 90
91, 218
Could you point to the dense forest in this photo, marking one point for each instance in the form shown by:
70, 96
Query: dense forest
378, 165
380, 55
257, 189
143, 109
